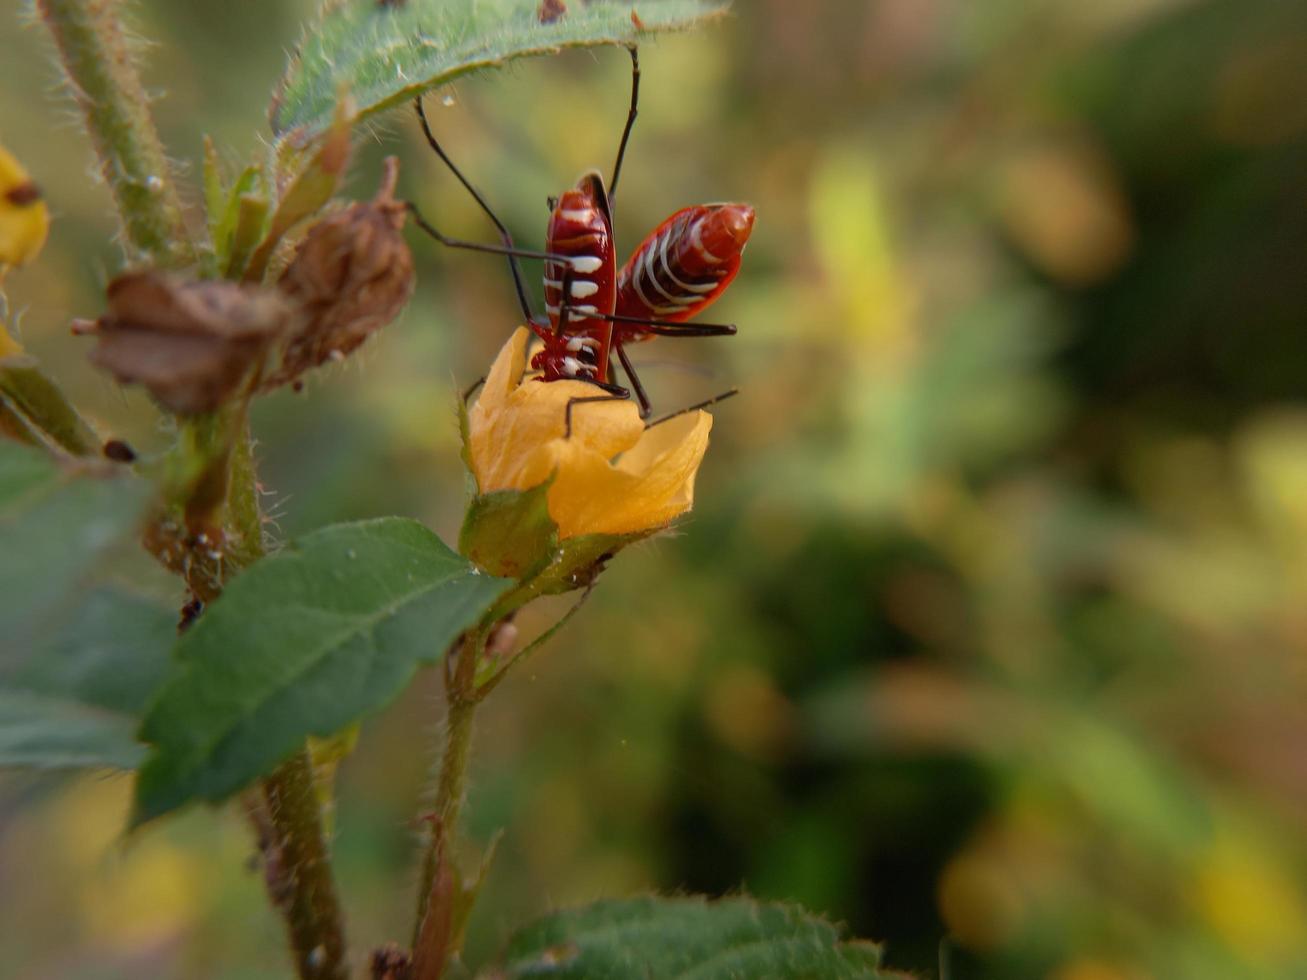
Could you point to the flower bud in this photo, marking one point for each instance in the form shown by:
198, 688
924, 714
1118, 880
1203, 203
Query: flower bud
554, 506
191, 343
352, 275
24, 218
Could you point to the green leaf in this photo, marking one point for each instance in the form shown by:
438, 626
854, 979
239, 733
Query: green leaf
56, 523
40, 732
42, 402
76, 702
112, 653
385, 54
304, 643
686, 937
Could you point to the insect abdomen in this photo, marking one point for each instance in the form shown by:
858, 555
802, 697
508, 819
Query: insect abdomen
686, 263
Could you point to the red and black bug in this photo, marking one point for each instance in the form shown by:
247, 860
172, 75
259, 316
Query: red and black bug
592, 310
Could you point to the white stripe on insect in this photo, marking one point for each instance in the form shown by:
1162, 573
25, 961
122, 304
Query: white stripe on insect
696, 239
580, 288
574, 367
672, 297
574, 313
639, 290
581, 216
667, 268
587, 263
649, 270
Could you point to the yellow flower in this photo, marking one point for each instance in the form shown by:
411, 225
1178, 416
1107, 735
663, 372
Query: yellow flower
24, 219
612, 476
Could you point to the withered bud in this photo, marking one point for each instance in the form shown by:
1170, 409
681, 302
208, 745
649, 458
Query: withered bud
390, 963
190, 342
352, 275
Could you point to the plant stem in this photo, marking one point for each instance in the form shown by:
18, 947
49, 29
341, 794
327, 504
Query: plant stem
285, 810
297, 859
102, 77
451, 790
297, 866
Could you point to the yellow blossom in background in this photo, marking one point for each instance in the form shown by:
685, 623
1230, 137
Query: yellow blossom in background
516, 441
24, 218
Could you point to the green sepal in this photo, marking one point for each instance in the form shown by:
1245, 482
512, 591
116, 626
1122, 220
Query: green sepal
314, 184
243, 223
509, 533
578, 561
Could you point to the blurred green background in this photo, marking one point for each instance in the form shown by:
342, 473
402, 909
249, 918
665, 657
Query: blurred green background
990, 620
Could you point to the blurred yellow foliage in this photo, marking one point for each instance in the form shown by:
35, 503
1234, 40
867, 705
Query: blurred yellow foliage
852, 235
1243, 892
980, 902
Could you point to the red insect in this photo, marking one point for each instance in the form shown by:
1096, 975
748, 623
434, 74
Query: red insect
593, 311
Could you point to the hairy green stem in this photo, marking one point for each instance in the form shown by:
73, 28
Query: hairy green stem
102, 77
451, 790
297, 857
297, 866
285, 810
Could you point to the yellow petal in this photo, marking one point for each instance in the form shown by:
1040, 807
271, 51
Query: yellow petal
24, 218
513, 422
516, 440
650, 485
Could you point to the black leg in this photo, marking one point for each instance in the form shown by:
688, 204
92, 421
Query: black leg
564, 301
504, 234
521, 253
641, 396
670, 328
694, 408
572, 402
472, 390
691, 329
630, 121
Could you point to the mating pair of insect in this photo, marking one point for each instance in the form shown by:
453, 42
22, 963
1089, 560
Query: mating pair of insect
594, 310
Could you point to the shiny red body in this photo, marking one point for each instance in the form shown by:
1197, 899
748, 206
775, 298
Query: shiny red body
683, 265
581, 228
677, 271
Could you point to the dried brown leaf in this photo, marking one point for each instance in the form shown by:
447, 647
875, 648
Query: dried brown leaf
352, 275
189, 342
